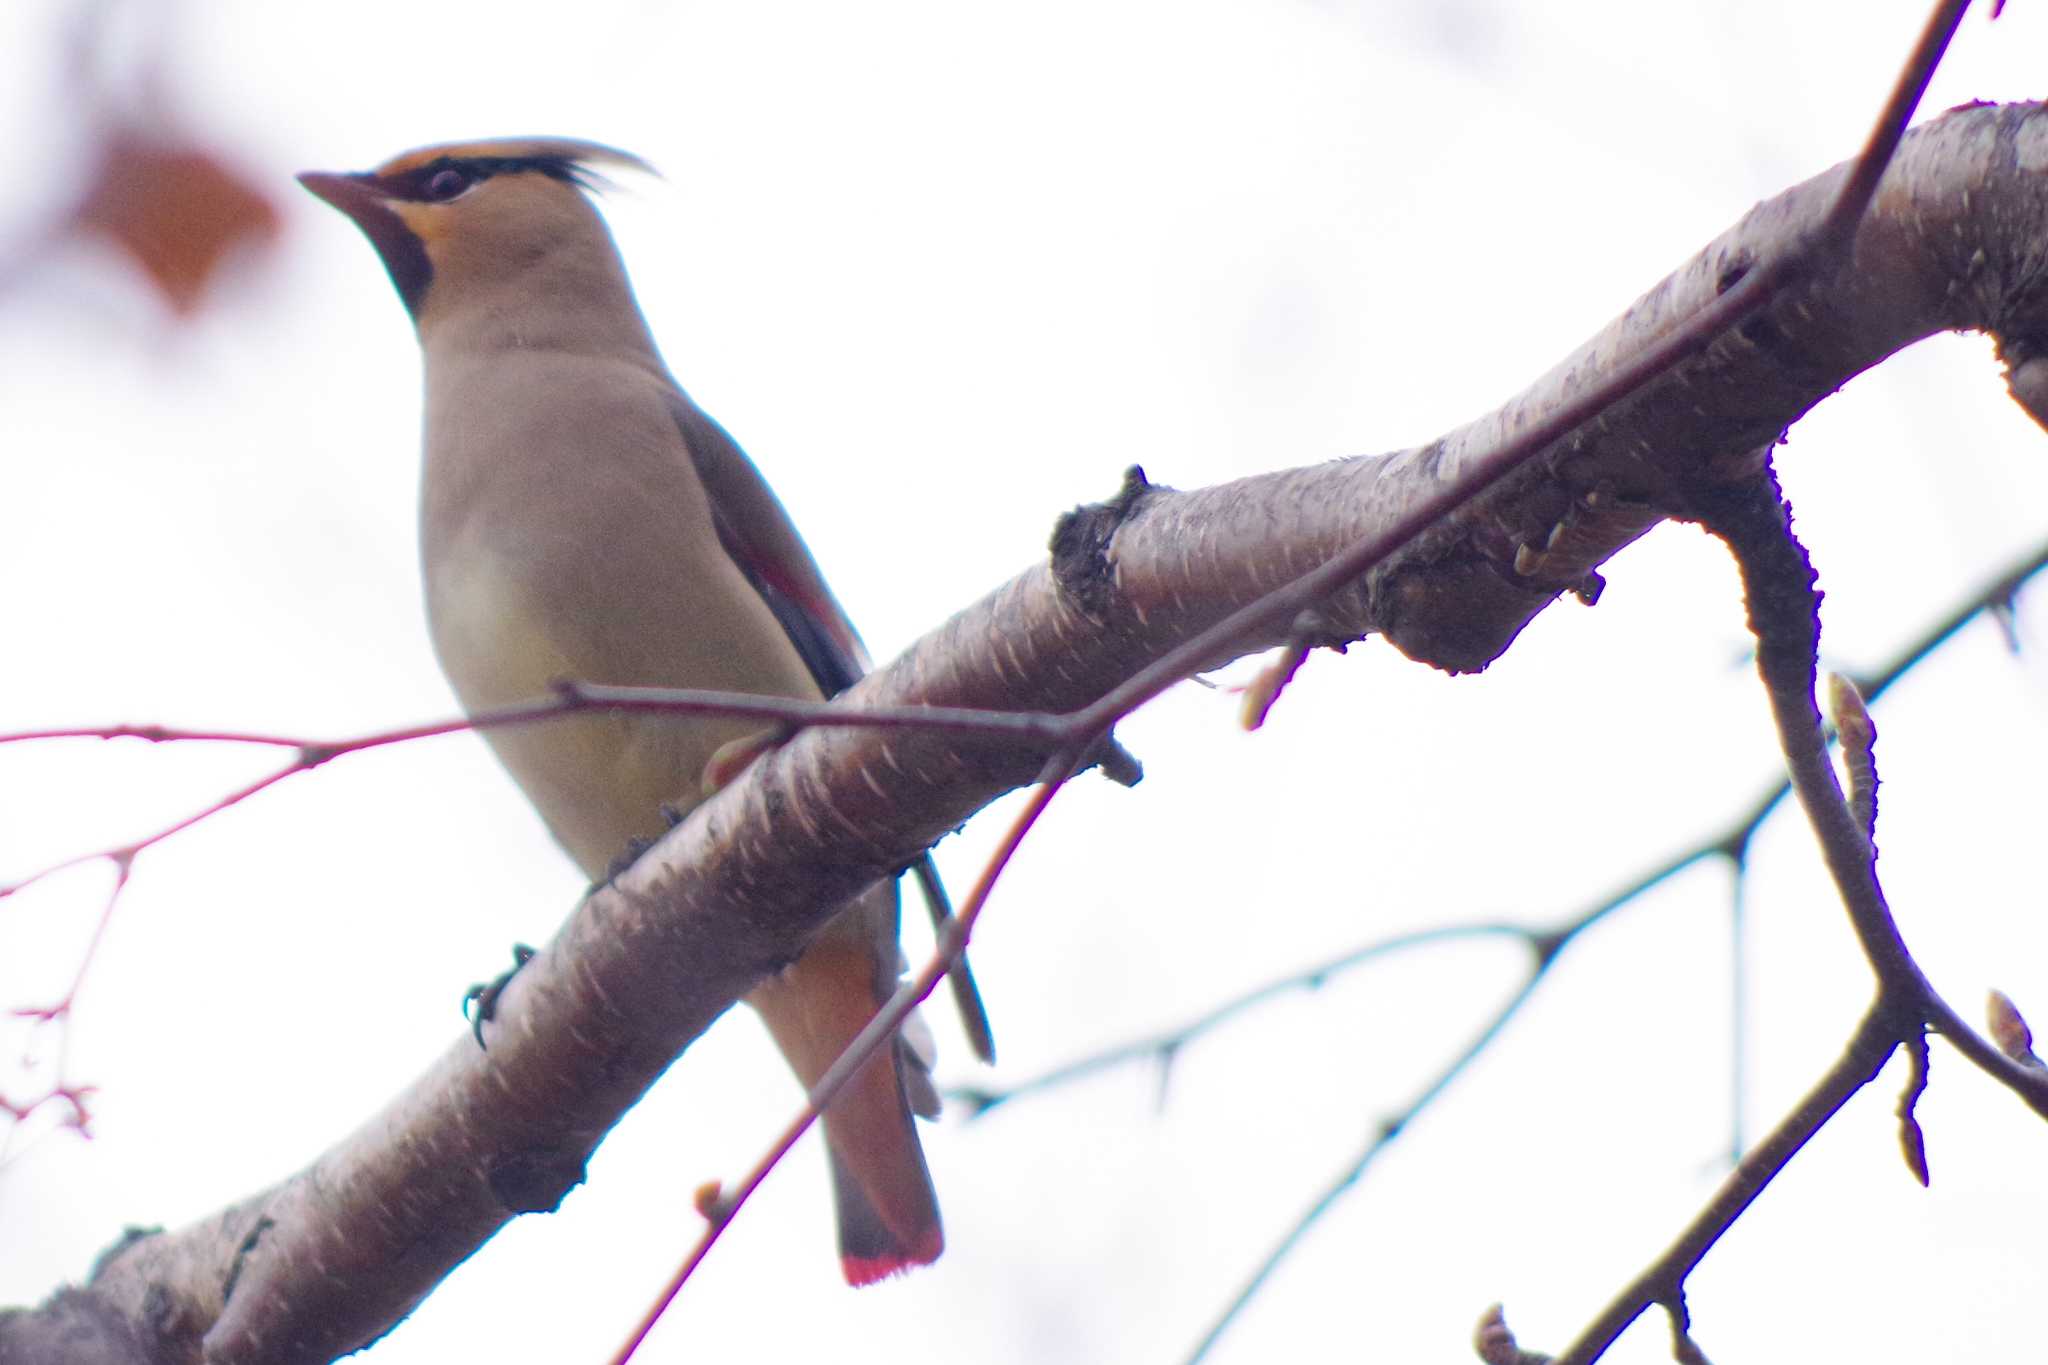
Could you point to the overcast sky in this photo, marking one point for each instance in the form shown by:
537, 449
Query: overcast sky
945, 270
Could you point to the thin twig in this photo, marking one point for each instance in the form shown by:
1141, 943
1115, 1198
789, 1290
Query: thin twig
1664, 1278
1784, 612
125, 854
572, 697
1744, 299
1778, 582
878, 1031
981, 1099
1730, 841
1389, 1129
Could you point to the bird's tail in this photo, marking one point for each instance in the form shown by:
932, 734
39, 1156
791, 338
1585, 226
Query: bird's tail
888, 1211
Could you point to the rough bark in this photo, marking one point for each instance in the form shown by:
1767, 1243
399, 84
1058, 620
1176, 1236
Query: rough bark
329, 1260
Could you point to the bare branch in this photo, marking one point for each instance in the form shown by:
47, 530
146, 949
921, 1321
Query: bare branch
1389, 1129
1730, 842
646, 963
1163, 1046
1664, 1278
1784, 612
878, 1031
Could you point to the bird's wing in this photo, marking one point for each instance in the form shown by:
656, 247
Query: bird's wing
763, 543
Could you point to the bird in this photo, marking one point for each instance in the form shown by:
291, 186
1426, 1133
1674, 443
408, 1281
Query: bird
581, 517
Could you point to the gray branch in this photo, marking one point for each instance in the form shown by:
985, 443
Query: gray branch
340, 1253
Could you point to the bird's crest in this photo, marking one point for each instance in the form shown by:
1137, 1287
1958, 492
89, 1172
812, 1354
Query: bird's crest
568, 159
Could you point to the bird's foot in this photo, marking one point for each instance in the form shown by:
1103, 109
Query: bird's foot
484, 995
625, 858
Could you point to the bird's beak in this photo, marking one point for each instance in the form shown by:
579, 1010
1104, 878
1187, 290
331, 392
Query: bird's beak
355, 195
374, 210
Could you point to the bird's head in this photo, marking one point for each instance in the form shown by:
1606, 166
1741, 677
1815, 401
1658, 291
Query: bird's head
453, 220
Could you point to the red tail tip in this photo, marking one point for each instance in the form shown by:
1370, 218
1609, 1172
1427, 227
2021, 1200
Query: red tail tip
866, 1270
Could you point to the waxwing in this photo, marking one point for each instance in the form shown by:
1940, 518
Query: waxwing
582, 518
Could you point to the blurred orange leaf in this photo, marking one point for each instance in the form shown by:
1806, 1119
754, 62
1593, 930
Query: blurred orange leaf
175, 209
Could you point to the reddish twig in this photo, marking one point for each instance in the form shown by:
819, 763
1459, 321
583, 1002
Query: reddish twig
1731, 842
880, 1029
124, 855
1747, 297
570, 698
1743, 300
74, 1097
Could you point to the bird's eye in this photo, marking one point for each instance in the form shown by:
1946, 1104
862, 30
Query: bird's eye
446, 183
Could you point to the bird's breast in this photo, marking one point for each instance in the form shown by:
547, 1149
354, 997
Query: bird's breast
570, 539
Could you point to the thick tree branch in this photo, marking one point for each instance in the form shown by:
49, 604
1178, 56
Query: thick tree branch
336, 1255
1729, 842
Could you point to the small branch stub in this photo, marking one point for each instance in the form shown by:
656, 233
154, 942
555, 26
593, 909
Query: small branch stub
1684, 1349
1912, 1141
2008, 1029
1858, 733
710, 1202
1080, 546
1496, 1345
1268, 683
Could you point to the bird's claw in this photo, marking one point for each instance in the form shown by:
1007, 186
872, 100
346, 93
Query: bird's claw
484, 994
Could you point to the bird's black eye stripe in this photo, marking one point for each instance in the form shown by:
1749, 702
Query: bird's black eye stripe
436, 182
446, 177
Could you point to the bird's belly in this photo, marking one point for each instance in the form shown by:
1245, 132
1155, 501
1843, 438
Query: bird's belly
600, 780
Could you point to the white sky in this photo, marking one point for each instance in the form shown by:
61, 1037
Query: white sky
945, 270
